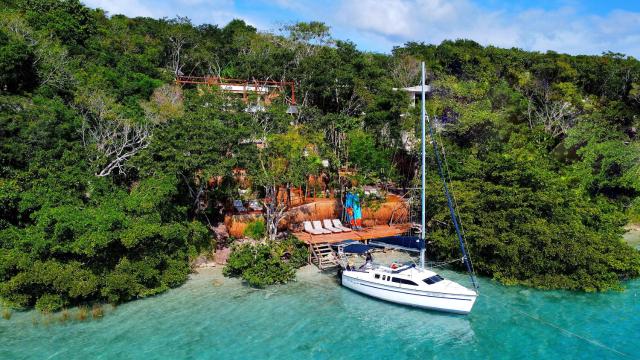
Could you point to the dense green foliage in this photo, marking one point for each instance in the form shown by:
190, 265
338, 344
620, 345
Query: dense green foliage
110, 174
255, 230
268, 263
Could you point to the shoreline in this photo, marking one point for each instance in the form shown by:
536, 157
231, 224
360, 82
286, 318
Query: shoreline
632, 235
632, 227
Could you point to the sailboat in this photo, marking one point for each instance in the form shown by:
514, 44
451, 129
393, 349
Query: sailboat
410, 284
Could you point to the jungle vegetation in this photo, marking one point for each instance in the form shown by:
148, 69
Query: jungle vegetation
106, 164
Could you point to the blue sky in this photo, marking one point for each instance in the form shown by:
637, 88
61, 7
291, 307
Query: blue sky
569, 26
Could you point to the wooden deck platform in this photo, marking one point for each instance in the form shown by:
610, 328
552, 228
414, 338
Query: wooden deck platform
373, 232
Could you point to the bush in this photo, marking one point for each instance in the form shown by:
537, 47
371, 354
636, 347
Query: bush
176, 272
295, 251
268, 272
133, 279
634, 211
255, 230
97, 312
49, 303
268, 263
6, 314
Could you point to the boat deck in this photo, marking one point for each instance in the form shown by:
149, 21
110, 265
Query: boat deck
365, 234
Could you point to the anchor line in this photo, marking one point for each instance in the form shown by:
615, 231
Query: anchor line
560, 328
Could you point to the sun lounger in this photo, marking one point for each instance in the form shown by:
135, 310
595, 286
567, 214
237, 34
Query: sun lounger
309, 228
318, 226
255, 205
239, 206
329, 226
338, 225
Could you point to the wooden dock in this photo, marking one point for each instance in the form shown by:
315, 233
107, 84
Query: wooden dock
368, 233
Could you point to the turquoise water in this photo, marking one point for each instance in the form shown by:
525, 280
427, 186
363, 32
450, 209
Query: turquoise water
315, 318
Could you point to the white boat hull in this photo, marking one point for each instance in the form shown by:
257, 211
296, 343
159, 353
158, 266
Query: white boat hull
433, 300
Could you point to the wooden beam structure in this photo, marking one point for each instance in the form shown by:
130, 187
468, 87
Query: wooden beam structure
240, 86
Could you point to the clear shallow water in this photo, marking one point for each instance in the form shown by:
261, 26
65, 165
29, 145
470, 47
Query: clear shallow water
632, 237
315, 318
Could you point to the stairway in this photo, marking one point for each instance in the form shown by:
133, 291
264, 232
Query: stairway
323, 256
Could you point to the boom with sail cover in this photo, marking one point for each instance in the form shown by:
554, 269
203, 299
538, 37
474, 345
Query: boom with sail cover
410, 243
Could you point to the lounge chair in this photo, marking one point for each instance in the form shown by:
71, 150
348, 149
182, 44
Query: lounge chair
318, 226
338, 225
239, 206
309, 228
329, 226
255, 205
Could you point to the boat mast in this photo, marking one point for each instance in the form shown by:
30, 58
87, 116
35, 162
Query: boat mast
423, 230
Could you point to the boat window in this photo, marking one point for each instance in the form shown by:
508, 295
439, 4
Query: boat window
377, 276
384, 277
433, 279
403, 281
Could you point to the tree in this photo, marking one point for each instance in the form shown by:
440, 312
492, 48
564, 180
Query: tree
180, 38
287, 161
405, 70
114, 138
50, 58
516, 212
372, 162
16, 65
68, 20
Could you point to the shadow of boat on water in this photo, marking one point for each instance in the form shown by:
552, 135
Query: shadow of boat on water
408, 323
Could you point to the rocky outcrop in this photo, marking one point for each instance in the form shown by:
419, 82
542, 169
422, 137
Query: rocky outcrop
221, 256
203, 261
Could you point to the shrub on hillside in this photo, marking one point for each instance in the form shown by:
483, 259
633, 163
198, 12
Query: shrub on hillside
255, 230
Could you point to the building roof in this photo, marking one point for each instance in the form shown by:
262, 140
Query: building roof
415, 89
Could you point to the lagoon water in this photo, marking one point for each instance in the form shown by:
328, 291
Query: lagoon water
314, 318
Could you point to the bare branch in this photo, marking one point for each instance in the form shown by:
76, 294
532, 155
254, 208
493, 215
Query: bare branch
556, 115
115, 139
405, 71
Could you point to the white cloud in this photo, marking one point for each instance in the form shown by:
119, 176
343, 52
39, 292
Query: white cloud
381, 24
377, 17
563, 29
128, 7
199, 11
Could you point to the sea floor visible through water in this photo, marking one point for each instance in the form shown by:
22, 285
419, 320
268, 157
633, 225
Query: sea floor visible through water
212, 317
632, 237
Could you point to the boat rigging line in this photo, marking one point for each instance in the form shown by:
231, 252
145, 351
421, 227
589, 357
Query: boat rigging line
452, 211
560, 328
453, 195
445, 263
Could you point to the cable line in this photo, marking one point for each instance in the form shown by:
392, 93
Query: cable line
560, 328
467, 261
455, 201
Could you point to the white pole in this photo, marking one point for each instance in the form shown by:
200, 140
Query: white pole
423, 230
